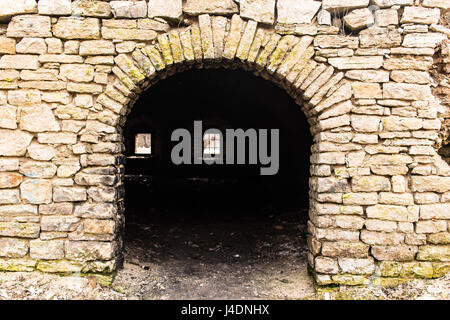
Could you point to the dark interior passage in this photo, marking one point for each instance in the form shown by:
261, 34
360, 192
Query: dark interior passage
222, 99
220, 230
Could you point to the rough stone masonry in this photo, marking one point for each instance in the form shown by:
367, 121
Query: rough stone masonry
359, 69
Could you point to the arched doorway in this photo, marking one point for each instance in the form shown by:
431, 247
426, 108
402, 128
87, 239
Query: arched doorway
211, 228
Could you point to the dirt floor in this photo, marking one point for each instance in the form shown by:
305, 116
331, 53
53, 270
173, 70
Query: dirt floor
247, 258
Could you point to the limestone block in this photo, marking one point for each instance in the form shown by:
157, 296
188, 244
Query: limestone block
29, 26
10, 8
65, 194
406, 91
343, 5
95, 226
36, 169
129, 9
359, 19
22, 230
14, 143
420, 15
196, 7
13, 248
55, 7
357, 265
75, 28
38, 119
344, 63
292, 11
434, 253
89, 250
326, 265
36, 191
7, 45
47, 250
396, 253
9, 196
59, 223
345, 249
90, 8
19, 61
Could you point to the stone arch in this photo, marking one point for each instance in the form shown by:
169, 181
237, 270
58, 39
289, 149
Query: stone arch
379, 192
287, 60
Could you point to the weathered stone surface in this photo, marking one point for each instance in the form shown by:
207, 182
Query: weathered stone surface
410, 76
47, 250
381, 238
89, 250
408, 62
359, 19
335, 41
7, 45
291, 11
19, 62
97, 47
14, 143
13, 248
59, 266
171, 9
55, 7
38, 119
196, 7
8, 117
9, 196
59, 223
77, 72
56, 209
376, 37
64, 194
386, 17
370, 184
36, 169
96, 211
10, 179
21, 230
435, 211
406, 91
326, 265
344, 5
10, 9
261, 11
345, 249
29, 26
91, 8
420, 40
76, 28
36, 191
344, 63
420, 15
357, 266
130, 9
434, 253
396, 253
393, 213
95, 226
430, 183
443, 4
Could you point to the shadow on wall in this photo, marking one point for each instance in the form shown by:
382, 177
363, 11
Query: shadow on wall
223, 99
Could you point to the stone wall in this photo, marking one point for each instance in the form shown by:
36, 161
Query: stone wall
360, 71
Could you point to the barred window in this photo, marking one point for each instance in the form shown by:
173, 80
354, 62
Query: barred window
143, 144
211, 144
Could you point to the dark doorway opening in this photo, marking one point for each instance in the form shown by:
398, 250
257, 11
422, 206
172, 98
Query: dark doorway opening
207, 221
